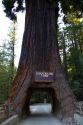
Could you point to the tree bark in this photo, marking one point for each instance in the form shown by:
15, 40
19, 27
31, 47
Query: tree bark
40, 53
64, 56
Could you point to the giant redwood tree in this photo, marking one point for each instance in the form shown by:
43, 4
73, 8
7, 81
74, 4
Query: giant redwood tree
40, 54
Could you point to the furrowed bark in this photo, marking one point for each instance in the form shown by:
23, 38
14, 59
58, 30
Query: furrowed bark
40, 53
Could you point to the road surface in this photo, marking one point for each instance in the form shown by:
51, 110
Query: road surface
41, 115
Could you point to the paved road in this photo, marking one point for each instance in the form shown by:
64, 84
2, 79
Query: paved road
41, 115
41, 120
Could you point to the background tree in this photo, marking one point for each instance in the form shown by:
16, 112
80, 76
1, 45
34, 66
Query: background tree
74, 53
4, 75
75, 59
11, 47
7, 67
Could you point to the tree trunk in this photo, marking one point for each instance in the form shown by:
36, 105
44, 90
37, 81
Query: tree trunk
64, 56
40, 53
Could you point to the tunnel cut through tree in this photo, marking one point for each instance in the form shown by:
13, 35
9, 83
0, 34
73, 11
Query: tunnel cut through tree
41, 96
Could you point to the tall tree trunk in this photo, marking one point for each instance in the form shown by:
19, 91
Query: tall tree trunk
64, 56
40, 53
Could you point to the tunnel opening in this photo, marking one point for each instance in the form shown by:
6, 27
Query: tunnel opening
41, 98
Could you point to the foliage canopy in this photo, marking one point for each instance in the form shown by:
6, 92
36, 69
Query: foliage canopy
11, 7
